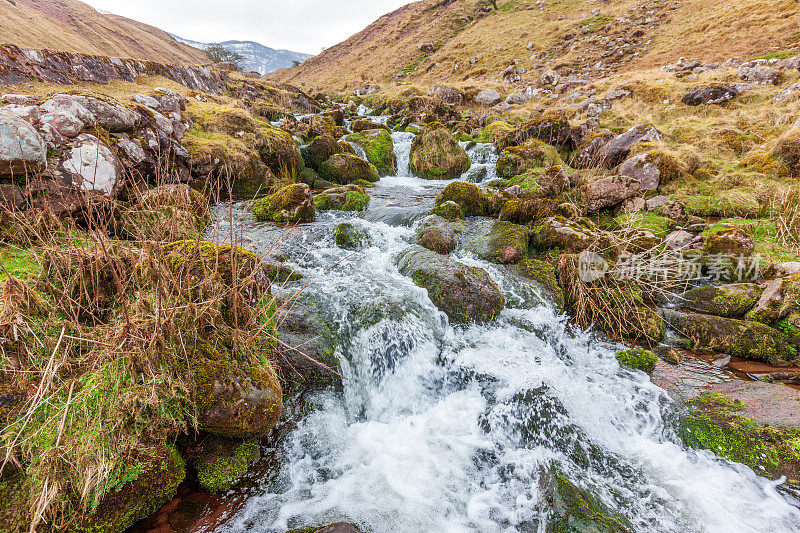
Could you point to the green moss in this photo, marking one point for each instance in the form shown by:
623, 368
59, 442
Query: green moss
347, 168
726, 301
354, 199
646, 221
738, 203
715, 423
533, 154
526, 210
638, 359
379, 149
577, 511
221, 258
497, 133
544, 273
288, 205
349, 237
224, 462
468, 196
449, 210
18, 263
435, 154
765, 235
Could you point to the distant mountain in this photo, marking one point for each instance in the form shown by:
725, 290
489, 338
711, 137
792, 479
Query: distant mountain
257, 57
73, 26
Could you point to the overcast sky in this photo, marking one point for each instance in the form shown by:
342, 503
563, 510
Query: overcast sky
298, 25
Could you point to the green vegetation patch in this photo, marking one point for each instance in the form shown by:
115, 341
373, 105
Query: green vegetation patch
638, 359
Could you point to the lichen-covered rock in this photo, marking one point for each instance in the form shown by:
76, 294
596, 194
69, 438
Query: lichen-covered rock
526, 210
617, 149
639, 168
378, 148
438, 234
21, 148
347, 168
319, 150
608, 192
449, 210
710, 94
497, 241
488, 97
468, 196
233, 400
732, 242
293, 203
222, 461
552, 128
751, 423
516, 160
350, 237
759, 75
464, 293
729, 301
638, 359
543, 273
347, 198
739, 338
558, 232
436, 155
92, 166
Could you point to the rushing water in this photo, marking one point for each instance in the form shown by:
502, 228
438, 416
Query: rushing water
443, 428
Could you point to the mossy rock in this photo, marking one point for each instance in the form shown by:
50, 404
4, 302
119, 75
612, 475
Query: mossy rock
730, 242
291, 204
739, 338
468, 196
279, 151
638, 359
716, 422
310, 177
526, 210
346, 148
346, 168
350, 237
203, 258
436, 155
558, 232
347, 198
222, 461
575, 510
365, 124
165, 224
378, 148
157, 483
544, 273
234, 400
498, 241
438, 234
465, 294
449, 210
497, 133
319, 150
730, 301
534, 154
552, 128
178, 195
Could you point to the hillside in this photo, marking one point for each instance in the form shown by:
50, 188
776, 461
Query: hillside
72, 26
435, 41
257, 57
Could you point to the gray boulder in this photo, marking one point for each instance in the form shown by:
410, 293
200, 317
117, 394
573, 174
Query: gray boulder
759, 75
711, 94
488, 97
617, 149
92, 166
643, 171
464, 293
610, 191
21, 147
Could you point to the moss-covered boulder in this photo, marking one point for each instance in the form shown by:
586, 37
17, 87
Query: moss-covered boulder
526, 210
449, 210
730, 301
574, 237
543, 273
468, 196
436, 155
638, 359
576, 510
752, 423
319, 150
498, 133
347, 168
290, 204
787, 149
350, 237
222, 462
464, 293
740, 338
234, 400
378, 148
731, 242
365, 124
516, 160
497, 241
552, 128
348, 198
280, 152
438, 234
310, 177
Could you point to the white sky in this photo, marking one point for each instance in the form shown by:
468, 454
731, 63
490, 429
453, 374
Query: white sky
297, 25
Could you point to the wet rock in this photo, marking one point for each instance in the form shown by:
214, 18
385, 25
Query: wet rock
347, 168
379, 149
222, 462
435, 154
348, 198
617, 149
731, 242
293, 203
21, 147
740, 338
646, 173
439, 234
497, 241
729, 301
610, 191
668, 354
637, 359
544, 274
759, 75
464, 293
350, 237
92, 166
468, 196
449, 210
768, 308
712, 94
488, 98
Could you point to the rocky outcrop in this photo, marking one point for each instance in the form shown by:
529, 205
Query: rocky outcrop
23, 66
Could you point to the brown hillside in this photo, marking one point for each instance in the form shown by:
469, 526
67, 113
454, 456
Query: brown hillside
72, 26
469, 42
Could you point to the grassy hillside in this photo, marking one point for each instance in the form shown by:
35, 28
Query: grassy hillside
72, 26
435, 41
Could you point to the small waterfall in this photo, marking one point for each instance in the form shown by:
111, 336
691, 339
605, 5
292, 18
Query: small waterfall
484, 158
402, 151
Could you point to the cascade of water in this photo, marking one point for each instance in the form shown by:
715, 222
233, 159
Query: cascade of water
483, 157
444, 428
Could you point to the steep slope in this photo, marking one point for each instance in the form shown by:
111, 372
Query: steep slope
434, 41
257, 57
72, 26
